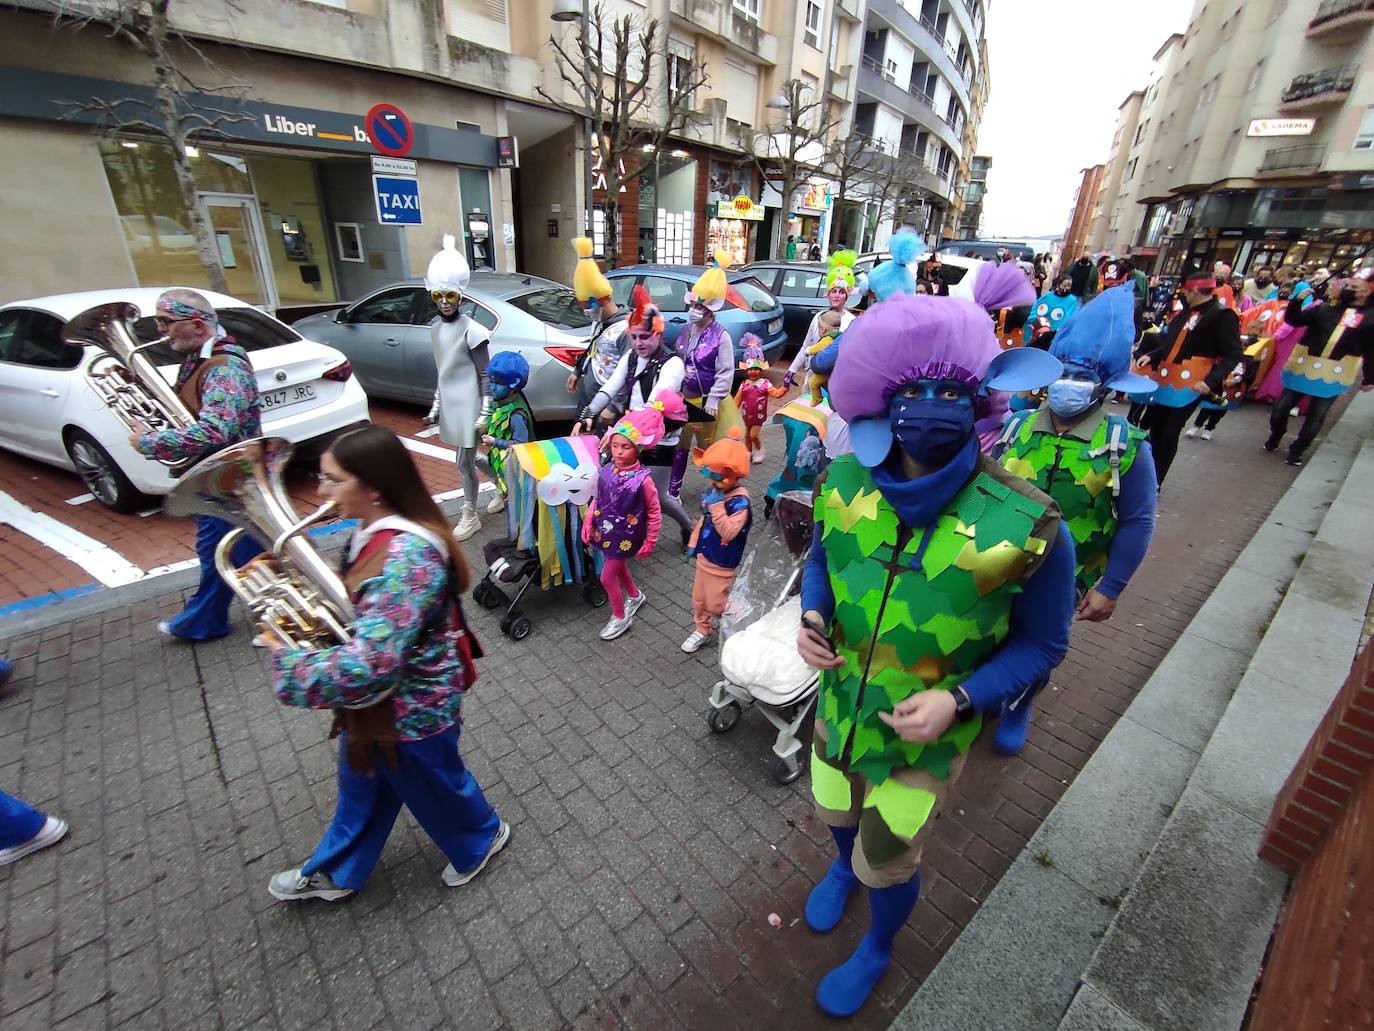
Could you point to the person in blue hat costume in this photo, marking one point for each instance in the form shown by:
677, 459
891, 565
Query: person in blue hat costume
1095, 465
938, 588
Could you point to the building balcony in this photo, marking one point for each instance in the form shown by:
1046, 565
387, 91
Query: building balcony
720, 19
1344, 16
848, 9
1318, 89
842, 83
1293, 160
877, 84
926, 38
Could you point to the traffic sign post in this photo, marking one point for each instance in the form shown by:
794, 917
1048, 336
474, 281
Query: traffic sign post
389, 130
398, 200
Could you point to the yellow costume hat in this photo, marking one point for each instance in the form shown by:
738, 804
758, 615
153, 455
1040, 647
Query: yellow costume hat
711, 287
589, 283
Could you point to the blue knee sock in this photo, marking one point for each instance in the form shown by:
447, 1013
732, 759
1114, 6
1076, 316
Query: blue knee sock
825, 904
844, 990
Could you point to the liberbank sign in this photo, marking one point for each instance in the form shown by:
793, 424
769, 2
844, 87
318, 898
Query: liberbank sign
108, 103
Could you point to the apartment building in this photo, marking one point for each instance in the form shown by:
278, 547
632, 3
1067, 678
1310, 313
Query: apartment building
1260, 140
1109, 189
286, 180
922, 85
974, 193
1081, 214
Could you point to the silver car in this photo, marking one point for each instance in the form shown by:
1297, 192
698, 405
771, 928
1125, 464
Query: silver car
385, 336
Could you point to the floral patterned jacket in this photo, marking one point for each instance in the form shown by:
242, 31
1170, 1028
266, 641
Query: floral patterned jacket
230, 410
390, 648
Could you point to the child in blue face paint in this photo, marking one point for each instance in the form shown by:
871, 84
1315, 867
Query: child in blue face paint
511, 421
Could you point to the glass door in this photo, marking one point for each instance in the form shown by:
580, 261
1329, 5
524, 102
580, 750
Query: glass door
241, 246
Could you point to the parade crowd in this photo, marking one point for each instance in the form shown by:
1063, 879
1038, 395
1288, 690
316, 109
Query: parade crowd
976, 480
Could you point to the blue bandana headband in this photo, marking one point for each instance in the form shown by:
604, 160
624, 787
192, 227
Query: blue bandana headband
180, 309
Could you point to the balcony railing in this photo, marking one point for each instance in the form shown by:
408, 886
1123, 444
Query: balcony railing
1309, 155
1314, 85
877, 67
1330, 10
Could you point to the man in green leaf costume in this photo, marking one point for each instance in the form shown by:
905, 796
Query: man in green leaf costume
938, 587
1096, 466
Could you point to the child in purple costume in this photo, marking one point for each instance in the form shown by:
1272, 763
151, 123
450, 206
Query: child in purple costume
625, 516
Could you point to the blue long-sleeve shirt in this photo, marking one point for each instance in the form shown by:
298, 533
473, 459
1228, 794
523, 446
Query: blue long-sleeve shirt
1036, 640
1135, 518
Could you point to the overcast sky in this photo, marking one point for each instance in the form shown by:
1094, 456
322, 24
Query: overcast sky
1060, 70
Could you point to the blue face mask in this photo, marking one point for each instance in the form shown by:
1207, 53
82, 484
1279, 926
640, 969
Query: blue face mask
931, 420
499, 390
1069, 397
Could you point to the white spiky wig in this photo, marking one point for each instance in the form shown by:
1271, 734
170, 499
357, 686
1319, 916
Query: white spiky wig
448, 270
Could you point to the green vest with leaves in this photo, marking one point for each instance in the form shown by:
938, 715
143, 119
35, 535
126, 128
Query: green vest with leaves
1076, 470
498, 427
904, 626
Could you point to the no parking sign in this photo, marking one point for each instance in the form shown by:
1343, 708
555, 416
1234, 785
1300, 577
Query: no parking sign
389, 129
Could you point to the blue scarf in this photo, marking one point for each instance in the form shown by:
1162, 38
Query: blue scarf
919, 502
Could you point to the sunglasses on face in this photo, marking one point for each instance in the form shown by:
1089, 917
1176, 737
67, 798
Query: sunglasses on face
445, 296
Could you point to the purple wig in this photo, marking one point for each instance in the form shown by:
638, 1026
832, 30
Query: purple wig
1002, 286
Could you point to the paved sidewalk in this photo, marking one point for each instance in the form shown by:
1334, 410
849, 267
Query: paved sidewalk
647, 855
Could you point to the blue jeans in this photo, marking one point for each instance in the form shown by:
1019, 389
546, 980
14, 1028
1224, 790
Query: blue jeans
206, 615
19, 821
432, 782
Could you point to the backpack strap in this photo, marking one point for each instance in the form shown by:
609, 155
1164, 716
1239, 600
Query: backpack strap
1011, 430
1118, 443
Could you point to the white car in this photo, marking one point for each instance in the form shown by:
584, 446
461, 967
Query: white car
309, 392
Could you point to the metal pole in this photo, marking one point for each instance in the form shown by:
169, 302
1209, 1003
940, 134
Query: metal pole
589, 174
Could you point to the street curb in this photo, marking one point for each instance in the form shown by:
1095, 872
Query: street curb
1140, 902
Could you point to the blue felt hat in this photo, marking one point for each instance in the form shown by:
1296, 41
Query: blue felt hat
509, 369
1022, 368
1099, 336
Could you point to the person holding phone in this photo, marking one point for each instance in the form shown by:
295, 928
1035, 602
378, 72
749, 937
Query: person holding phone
939, 587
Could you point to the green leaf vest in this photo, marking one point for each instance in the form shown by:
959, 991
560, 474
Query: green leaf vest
498, 426
1076, 471
904, 626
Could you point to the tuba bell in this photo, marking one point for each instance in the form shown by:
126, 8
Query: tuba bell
123, 377
291, 589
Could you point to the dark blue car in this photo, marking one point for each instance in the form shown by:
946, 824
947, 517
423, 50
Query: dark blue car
668, 286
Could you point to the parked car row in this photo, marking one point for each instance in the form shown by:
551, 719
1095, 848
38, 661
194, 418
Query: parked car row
315, 375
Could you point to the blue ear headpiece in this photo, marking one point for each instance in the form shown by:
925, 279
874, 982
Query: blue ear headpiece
1100, 336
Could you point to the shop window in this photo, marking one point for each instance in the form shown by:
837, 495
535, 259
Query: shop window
668, 294
295, 229
388, 308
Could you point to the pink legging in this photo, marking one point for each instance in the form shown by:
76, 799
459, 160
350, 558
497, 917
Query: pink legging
615, 575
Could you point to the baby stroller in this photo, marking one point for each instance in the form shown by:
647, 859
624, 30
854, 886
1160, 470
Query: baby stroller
759, 663
549, 483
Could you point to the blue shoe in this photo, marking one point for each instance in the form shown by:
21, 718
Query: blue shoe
844, 990
825, 904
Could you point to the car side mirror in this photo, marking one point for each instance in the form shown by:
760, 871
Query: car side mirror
341, 315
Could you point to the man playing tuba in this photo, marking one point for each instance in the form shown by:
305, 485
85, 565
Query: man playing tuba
217, 386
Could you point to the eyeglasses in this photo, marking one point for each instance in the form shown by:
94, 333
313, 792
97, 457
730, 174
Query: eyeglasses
329, 481
445, 296
162, 323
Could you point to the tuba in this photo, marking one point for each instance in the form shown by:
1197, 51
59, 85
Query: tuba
291, 590
123, 377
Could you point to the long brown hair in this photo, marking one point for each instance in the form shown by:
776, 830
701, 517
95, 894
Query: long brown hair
376, 456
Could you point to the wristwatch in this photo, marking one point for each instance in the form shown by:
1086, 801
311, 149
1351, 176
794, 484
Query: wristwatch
963, 704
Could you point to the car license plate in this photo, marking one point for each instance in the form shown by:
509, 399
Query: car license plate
287, 397
775, 325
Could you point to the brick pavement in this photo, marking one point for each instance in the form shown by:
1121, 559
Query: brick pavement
647, 852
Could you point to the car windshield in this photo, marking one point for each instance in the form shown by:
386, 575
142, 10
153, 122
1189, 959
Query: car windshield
251, 330
755, 294
556, 306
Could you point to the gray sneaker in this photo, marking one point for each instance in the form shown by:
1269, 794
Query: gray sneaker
454, 879
292, 886
632, 605
52, 831
615, 627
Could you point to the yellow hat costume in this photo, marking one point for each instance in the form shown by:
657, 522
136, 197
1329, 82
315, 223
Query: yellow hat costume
589, 283
711, 287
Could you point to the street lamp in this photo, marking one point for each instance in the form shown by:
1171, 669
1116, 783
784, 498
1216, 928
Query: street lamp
565, 11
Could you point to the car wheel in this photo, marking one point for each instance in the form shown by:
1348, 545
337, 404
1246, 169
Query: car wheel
101, 475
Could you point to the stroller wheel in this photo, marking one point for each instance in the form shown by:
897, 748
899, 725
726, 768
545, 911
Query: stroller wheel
519, 627
723, 720
785, 771
594, 595
487, 594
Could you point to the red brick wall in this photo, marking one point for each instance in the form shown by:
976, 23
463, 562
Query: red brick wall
1320, 831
